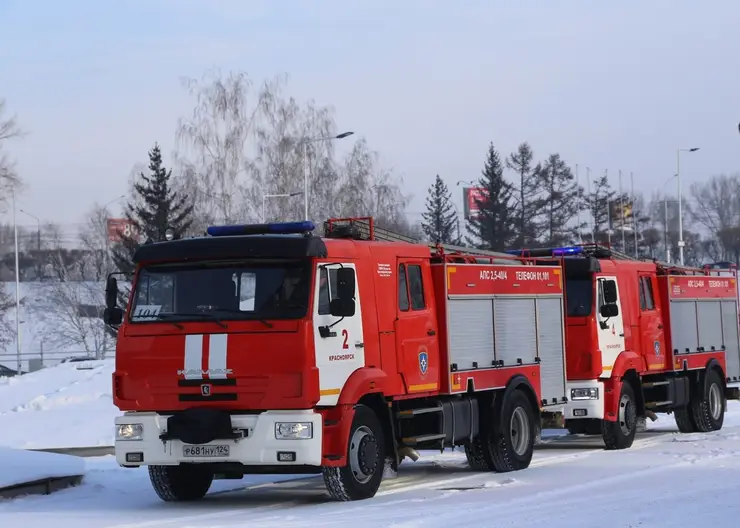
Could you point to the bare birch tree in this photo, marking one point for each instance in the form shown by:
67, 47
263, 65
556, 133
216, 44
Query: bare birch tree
72, 307
216, 153
9, 182
97, 262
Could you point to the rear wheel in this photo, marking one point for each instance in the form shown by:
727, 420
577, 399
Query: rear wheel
512, 437
708, 408
685, 420
621, 433
360, 478
186, 482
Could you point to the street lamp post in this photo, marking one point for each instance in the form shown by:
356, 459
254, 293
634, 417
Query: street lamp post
38, 241
681, 242
665, 224
279, 195
307, 168
17, 292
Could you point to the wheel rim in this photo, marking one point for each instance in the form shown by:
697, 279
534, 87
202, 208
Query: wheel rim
627, 415
520, 432
363, 454
715, 401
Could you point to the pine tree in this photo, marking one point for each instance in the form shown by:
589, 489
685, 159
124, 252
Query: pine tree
599, 200
494, 226
155, 208
440, 223
527, 201
562, 201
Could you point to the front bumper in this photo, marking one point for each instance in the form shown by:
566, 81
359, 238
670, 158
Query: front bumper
579, 409
259, 446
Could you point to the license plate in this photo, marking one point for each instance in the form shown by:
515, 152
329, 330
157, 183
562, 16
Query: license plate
206, 451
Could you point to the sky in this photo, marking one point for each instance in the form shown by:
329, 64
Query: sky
428, 83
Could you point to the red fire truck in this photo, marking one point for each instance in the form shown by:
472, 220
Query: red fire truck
268, 349
645, 338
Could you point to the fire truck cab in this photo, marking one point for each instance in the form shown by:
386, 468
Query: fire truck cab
645, 338
268, 349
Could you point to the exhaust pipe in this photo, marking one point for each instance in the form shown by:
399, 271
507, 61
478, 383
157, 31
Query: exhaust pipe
405, 451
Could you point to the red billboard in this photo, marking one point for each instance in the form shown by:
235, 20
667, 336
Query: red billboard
118, 227
471, 197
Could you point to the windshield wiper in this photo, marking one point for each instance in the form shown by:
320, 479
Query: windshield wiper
207, 315
265, 322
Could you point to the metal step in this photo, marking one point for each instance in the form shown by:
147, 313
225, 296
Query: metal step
421, 439
410, 413
651, 384
653, 405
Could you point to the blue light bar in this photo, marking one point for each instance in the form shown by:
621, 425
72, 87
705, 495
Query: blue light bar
575, 250
282, 228
546, 252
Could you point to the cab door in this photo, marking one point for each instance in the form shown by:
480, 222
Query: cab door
609, 322
339, 342
652, 340
416, 329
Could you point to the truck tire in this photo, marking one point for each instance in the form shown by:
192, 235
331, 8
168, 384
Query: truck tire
621, 433
183, 483
685, 420
708, 408
511, 439
478, 455
360, 478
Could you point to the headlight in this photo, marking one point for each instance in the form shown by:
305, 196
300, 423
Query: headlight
293, 430
130, 432
590, 393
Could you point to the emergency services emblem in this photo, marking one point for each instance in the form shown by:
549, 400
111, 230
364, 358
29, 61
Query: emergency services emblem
423, 362
656, 346
205, 389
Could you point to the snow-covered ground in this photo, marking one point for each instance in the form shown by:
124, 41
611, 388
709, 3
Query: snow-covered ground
69, 405
665, 479
21, 467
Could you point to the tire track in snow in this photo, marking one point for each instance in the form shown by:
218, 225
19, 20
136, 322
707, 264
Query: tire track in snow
391, 488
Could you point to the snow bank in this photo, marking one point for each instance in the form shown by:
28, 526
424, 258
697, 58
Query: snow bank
21, 467
69, 405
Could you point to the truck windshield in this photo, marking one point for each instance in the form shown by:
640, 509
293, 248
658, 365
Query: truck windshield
579, 294
226, 291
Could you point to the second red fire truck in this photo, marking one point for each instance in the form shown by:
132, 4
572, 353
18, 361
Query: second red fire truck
268, 349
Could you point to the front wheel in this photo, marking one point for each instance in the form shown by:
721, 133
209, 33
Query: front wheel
183, 483
361, 476
621, 433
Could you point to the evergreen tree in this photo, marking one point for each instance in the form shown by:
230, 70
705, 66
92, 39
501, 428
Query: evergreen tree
599, 200
494, 226
440, 223
527, 194
562, 201
155, 207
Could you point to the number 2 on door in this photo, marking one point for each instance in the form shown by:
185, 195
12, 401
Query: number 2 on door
345, 335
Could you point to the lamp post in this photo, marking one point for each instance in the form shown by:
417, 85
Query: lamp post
38, 241
665, 224
279, 195
17, 291
681, 242
307, 168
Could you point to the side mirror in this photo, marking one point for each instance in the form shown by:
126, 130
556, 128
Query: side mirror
345, 284
343, 303
113, 316
111, 293
609, 310
610, 291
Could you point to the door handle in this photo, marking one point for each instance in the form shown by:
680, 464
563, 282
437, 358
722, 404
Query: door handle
621, 335
359, 345
431, 332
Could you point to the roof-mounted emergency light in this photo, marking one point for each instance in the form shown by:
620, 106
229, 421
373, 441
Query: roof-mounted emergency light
546, 252
283, 228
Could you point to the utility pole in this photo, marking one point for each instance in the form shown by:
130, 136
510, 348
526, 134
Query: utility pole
681, 242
